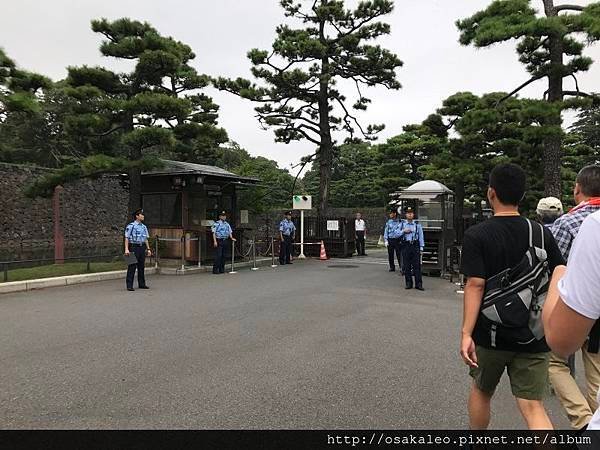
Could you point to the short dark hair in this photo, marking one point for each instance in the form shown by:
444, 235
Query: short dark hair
588, 179
508, 180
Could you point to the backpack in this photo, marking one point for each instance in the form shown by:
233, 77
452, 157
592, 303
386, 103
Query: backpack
513, 299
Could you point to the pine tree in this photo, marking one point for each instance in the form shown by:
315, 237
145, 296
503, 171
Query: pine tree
300, 96
156, 107
551, 47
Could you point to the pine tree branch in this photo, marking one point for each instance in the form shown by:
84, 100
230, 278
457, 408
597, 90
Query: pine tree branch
580, 94
111, 131
523, 86
348, 118
304, 163
559, 8
300, 130
576, 82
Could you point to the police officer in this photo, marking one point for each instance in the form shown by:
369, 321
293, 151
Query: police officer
136, 241
392, 235
287, 231
412, 247
221, 231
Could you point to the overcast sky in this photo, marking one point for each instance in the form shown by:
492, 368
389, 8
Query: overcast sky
49, 35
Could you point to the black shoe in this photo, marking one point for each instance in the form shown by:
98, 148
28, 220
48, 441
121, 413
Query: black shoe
143, 287
392, 270
420, 288
364, 254
290, 263
408, 286
130, 289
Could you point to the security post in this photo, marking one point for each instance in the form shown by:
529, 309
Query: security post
302, 202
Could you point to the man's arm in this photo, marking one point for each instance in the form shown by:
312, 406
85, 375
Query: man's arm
127, 231
562, 236
565, 329
231, 234
472, 303
147, 242
421, 238
573, 300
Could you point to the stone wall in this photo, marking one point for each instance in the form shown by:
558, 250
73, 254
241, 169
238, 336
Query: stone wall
93, 214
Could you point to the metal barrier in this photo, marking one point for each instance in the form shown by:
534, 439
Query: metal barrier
30, 263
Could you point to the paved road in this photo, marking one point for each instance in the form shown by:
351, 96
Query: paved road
304, 346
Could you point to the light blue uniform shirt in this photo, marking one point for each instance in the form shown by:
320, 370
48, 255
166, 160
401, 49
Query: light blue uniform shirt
393, 229
222, 229
136, 232
287, 227
416, 233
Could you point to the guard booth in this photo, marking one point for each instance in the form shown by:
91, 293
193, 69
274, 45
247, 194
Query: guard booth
434, 206
182, 200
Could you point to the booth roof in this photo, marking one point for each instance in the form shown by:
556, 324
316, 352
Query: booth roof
186, 168
423, 190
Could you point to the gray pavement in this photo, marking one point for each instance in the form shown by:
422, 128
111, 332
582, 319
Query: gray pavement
303, 346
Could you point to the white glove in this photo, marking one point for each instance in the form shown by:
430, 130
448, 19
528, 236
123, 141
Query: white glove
422, 249
386, 243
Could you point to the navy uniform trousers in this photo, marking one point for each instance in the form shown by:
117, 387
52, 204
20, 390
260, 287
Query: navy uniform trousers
411, 256
139, 250
395, 246
220, 252
285, 250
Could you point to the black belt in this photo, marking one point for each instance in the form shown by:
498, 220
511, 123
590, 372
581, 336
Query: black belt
136, 245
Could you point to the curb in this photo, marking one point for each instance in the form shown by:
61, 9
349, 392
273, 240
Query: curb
42, 283
69, 280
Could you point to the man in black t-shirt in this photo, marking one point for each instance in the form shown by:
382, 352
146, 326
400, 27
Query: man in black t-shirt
489, 248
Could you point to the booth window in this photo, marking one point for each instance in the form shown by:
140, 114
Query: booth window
430, 214
162, 209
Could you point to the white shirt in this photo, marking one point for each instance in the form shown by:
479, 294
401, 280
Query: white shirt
580, 287
359, 225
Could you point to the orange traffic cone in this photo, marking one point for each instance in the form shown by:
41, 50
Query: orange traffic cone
323, 256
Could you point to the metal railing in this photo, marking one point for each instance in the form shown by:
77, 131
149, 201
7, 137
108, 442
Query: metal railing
247, 251
5, 266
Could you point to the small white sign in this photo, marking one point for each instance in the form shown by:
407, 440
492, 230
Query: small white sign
333, 225
244, 216
301, 202
207, 223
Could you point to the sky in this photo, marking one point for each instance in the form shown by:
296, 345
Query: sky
47, 36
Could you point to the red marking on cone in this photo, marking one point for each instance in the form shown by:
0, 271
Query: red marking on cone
323, 256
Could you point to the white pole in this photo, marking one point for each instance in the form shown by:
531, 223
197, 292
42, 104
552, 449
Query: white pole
301, 255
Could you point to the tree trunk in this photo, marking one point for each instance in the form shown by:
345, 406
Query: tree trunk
135, 174
553, 143
326, 148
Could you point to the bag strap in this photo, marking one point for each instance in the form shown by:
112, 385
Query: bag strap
530, 233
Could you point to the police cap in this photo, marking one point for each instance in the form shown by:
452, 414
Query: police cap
222, 213
138, 211
409, 209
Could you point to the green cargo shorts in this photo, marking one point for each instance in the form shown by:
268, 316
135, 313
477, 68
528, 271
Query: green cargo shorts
528, 372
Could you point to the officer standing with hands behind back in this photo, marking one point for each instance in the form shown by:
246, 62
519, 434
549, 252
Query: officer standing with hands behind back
136, 242
412, 247
391, 236
287, 231
221, 231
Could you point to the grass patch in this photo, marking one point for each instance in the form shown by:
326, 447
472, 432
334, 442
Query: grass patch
59, 270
